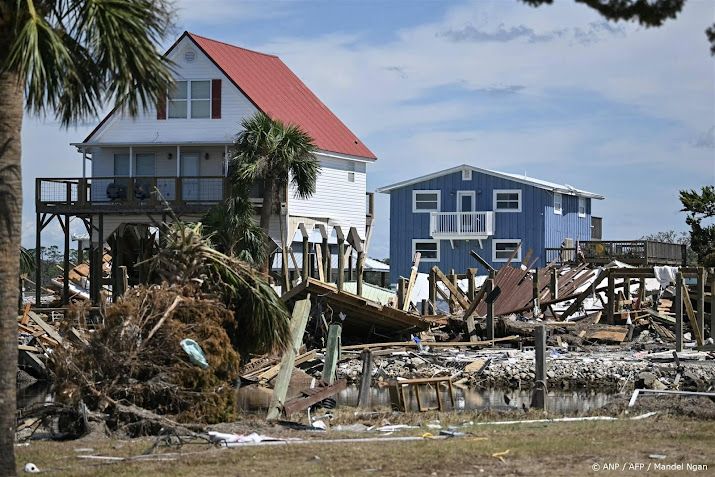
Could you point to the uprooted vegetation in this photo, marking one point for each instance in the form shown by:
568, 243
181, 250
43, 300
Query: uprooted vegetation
133, 370
135, 357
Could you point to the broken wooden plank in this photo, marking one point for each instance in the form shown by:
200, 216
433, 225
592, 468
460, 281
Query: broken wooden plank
455, 292
272, 372
691, 316
313, 396
45, 327
411, 282
612, 334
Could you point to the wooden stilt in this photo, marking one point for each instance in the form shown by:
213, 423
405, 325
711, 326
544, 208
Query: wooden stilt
332, 352
700, 316
365, 380
678, 312
299, 320
538, 398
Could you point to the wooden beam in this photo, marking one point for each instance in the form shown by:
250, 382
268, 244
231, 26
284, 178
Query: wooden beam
691, 316
700, 316
582, 296
678, 312
411, 282
436, 344
45, 327
554, 284
298, 322
341, 256
489, 286
319, 261
611, 299
455, 291
483, 262
313, 396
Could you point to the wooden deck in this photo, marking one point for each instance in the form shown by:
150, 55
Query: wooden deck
632, 252
128, 194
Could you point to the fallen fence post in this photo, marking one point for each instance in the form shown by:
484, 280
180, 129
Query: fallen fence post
538, 397
365, 380
298, 322
332, 352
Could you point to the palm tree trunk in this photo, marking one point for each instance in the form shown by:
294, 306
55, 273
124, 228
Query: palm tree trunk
269, 187
11, 109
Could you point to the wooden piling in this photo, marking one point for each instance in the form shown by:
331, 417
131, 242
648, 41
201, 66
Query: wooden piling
341, 257
678, 312
489, 284
360, 272
538, 398
299, 319
611, 299
554, 284
332, 352
471, 287
700, 313
536, 292
365, 380
712, 306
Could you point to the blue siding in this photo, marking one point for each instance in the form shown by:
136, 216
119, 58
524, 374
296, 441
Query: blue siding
568, 224
528, 225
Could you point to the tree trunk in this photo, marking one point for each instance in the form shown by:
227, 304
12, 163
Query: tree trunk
11, 109
269, 187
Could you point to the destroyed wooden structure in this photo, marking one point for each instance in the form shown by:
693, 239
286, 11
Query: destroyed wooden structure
364, 319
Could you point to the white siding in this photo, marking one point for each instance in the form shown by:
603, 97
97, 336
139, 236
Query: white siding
336, 201
145, 128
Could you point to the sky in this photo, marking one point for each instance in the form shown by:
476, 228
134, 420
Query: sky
555, 92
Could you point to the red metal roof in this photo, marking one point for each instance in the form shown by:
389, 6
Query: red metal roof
276, 90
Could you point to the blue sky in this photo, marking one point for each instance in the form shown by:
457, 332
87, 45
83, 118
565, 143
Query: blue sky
555, 92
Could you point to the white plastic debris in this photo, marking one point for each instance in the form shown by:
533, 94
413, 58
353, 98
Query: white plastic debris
31, 468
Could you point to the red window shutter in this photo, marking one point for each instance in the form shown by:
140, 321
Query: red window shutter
216, 99
161, 108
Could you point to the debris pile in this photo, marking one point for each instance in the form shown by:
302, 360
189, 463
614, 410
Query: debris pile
137, 359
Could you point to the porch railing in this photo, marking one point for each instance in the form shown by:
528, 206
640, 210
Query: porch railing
461, 224
128, 191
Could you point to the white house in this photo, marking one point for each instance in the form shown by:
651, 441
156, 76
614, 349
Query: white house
181, 146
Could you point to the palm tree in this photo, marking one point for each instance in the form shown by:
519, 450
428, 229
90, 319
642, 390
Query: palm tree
233, 230
68, 58
270, 151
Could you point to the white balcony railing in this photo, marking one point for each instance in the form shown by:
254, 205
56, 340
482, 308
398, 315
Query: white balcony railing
455, 225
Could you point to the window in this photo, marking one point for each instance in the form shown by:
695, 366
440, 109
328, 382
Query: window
121, 165
558, 203
190, 99
146, 165
429, 249
178, 100
467, 175
582, 207
502, 250
200, 99
507, 200
425, 201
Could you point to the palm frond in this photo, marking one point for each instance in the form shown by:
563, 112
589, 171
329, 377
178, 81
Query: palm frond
188, 258
75, 55
27, 261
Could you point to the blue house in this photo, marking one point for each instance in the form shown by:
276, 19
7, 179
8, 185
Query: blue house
446, 214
